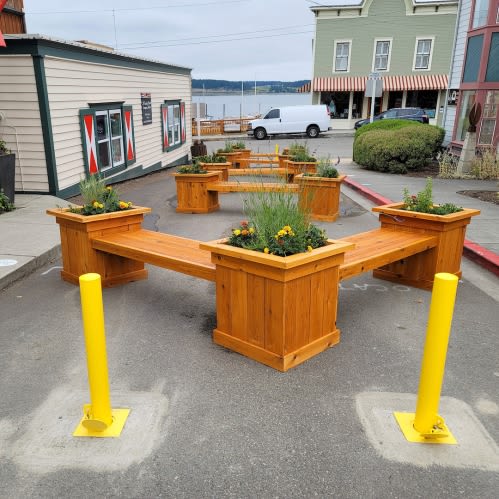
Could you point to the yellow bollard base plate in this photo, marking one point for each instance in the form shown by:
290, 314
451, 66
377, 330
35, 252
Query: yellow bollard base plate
114, 430
406, 423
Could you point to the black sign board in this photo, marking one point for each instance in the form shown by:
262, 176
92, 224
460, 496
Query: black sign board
145, 101
452, 97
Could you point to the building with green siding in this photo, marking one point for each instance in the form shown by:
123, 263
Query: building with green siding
407, 44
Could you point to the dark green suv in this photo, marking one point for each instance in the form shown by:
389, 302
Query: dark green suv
399, 113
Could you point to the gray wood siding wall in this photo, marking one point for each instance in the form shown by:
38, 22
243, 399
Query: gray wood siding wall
22, 129
387, 18
457, 65
72, 85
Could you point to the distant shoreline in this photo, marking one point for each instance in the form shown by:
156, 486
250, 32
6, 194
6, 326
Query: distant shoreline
198, 92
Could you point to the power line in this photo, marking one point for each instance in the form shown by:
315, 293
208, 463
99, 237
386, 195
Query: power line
94, 11
136, 45
220, 41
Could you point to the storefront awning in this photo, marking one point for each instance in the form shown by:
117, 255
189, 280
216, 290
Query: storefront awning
304, 89
390, 83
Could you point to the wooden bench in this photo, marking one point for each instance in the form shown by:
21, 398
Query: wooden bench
252, 187
163, 250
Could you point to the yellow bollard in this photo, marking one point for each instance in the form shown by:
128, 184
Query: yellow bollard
99, 419
276, 152
426, 425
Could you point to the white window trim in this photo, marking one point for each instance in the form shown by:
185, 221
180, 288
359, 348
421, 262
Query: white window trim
418, 38
383, 39
336, 42
109, 140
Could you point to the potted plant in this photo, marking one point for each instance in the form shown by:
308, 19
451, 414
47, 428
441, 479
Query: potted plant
277, 281
102, 212
320, 191
7, 172
299, 161
418, 213
192, 195
233, 151
214, 162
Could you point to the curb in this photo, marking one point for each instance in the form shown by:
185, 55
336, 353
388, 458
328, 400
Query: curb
30, 267
473, 251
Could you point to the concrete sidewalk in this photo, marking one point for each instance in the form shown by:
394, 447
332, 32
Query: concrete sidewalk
30, 238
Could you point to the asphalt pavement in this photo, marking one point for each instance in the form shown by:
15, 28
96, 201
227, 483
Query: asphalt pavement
206, 422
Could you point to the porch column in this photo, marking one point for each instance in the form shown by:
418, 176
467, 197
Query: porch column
350, 105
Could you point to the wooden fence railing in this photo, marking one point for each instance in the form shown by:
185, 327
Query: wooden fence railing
220, 127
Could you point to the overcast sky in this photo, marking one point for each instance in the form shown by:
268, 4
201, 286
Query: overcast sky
224, 39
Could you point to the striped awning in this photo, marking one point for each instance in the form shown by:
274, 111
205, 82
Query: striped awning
390, 83
304, 89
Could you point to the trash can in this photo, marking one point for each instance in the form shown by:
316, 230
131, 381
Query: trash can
198, 149
8, 174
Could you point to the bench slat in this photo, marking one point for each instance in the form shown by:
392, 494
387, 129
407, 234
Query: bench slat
380, 247
251, 187
164, 250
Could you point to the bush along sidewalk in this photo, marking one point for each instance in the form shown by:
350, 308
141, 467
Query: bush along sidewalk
396, 146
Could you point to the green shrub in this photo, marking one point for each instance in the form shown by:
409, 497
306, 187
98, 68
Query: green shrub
386, 125
397, 149
5, 204
210, 158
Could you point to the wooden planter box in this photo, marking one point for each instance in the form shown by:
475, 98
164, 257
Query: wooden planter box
279, 311
218, 167
231, 157
445, 257
78, 256
320, 196
242, 161
296, 167
192, 195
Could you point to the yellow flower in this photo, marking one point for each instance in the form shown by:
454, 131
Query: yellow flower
266, 251
95, 204
101, 206
309, 248
251, 230
130, 204
109, 188
123, 205
236, 232
281, 233
287, 228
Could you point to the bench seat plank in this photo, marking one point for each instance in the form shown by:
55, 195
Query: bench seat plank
164, 250
258, 171
252, 187
380, 247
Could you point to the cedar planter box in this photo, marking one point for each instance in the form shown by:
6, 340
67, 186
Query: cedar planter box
242, 161
297, 167
192, 195
8, 175
218, 167
320, 196
279, 311
78, 256
282, 158
445, 257
231, 157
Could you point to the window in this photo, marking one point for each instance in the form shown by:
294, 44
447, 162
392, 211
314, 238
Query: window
342, 56
473, 55
272, 114
422, 57
173, 124
489, 119
480, 13
467, 99
108, 137
492, 73
382, 55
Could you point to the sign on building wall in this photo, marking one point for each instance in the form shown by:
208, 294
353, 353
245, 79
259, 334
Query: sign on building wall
452, 97
145, 102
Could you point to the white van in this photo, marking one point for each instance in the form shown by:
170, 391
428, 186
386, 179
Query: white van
291, 119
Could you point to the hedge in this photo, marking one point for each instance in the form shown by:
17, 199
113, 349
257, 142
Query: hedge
397, 148
386, 125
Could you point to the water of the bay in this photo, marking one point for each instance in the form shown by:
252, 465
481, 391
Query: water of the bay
234, 106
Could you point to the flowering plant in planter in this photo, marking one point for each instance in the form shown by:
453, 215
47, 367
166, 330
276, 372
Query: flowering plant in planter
422, 202
277, 225
97, 198
231, 146
194, 168
210, 158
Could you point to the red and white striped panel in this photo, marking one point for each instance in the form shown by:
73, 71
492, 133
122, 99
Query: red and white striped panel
130, 151
90, 147
182, 119
164, 117
339, 84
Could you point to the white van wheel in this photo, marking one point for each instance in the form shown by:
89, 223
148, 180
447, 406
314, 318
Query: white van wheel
313, 131
260, 133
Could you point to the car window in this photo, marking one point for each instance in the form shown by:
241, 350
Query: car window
392, 113
273, 113
408, 112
